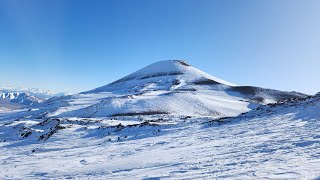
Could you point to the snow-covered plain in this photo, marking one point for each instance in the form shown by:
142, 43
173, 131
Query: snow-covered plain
273, 142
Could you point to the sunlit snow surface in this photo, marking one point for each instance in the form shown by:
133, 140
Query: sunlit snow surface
168, 121
166, 87
278, 142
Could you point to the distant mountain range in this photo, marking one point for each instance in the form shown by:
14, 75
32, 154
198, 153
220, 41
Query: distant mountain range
14, 98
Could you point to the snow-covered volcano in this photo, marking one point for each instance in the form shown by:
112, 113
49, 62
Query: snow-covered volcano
164, 121
162, 75
171, 87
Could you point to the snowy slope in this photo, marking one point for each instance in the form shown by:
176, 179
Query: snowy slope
279, 141
167, 87
165, 121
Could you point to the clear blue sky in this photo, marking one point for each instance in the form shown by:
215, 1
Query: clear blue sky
77, 45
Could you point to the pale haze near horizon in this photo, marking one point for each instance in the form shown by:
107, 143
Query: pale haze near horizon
77, 46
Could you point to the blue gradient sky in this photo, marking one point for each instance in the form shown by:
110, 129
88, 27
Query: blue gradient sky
77, 45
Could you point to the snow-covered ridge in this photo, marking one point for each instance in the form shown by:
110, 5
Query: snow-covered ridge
40, 93
20, 98
14, 98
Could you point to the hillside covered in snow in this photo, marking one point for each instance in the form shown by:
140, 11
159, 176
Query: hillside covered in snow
277, 141
168, 120
171, 87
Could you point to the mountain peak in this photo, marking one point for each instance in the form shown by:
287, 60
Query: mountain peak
166, 67
172, 62
163, 75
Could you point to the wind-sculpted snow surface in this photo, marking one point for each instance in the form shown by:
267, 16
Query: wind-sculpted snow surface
279, 141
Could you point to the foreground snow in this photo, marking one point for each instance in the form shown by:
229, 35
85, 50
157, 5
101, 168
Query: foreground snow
279, 141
